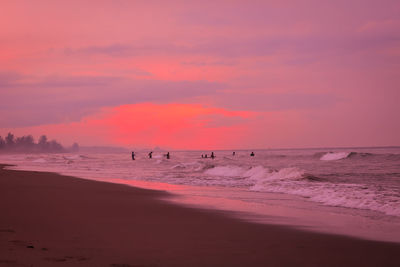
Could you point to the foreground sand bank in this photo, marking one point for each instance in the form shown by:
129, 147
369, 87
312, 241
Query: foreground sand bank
52, 220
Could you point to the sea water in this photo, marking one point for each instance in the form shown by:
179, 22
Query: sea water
347, 191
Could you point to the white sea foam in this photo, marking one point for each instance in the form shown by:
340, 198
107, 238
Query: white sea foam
286, 174
296, 181
289, 181
366, 183
225, 171
335, 155
256, 173
193, 165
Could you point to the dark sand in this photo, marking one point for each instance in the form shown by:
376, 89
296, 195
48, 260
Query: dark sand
52, 220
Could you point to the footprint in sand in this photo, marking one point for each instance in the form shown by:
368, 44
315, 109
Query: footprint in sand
55, 259
21, 243
129, 265
7, 231
66, 258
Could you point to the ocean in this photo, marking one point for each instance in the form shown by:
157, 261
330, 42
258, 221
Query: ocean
350, 191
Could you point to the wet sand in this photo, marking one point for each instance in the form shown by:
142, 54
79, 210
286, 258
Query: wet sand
52, 220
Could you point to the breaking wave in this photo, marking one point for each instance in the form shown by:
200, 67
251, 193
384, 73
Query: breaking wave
258, 173
296, 181
327, 177
338, 195
327, 156
335, 155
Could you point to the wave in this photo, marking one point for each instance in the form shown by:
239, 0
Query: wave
296, 181
328, 190
327, 156
393, 156
195, 166
335, 155
344, 155
226, 171
75, 157
338, 195
260, 173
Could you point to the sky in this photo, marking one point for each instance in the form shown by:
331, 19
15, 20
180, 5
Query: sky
202, 74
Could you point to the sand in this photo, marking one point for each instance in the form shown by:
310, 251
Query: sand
52, 220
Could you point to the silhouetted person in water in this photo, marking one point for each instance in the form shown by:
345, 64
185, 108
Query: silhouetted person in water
234, 153
252, 154
212, 155
167, 155
202, 156
205, 156
133, 155
151, 155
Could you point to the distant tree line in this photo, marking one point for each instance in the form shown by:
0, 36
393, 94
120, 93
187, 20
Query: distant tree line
27, 144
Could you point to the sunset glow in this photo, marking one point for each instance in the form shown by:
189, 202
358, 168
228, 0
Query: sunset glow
195, 75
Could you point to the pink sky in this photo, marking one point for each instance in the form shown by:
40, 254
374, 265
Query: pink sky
202, 74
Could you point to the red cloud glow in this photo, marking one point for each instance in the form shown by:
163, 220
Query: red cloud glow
177, 126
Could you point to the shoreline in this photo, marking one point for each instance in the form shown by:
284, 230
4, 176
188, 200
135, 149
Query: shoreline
267, 208
49, 219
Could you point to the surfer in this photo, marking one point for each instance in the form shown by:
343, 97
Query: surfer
167, 155
205, 156
252, 154
233, 153
212, 155
151, 155
133, 155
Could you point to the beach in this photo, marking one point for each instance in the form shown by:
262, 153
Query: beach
53, 220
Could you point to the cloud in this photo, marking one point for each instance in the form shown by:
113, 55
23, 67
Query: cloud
9, 79
180, 126
284, 57
117, 50
28, 101
224, 120
54, 99
217, 47
277, 101
209, 63
310, 47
